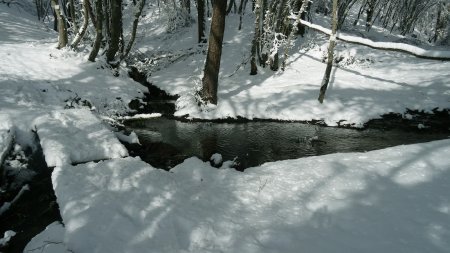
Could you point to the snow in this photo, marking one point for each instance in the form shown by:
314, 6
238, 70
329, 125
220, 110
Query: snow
6, 237
216, 159
140, 116
6, 140
132, 138
48, 241
74, 136
377, 83
421, 52
390, 200
36, 78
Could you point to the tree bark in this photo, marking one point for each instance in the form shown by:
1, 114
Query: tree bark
326, 77
115, 29
256, 37
80, 34
72, 15
370, 11
62, 30
98, 31
201, 21
212, 65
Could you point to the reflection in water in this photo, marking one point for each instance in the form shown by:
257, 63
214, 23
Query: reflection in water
254, 143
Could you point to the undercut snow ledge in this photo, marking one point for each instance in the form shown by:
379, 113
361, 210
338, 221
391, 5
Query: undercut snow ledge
75, 136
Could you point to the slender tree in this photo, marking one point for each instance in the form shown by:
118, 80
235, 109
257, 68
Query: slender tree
256, 37
201, 21
212, 65
73, 16
98, 30
332, 43
137, 14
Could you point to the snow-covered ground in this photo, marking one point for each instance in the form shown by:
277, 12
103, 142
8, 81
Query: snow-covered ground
36, 78
367, 83
391, 200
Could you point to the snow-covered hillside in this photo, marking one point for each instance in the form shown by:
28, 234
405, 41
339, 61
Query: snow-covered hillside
366, 84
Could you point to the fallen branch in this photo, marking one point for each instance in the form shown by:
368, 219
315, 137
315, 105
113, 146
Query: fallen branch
390, 46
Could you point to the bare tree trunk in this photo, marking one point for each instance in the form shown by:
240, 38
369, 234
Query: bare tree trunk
62, 30
115, 29
201, 21
304, 5
137, 14
72, 15
241, 12
326, 77
256, 37
98, 31
212, 65
80, 34
230, 6
370, 11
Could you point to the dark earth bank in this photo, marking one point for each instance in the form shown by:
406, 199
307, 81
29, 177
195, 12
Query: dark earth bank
34, 210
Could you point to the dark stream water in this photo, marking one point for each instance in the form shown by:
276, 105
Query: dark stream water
167, 142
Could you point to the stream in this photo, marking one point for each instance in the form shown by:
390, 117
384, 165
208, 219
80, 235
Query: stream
167, 142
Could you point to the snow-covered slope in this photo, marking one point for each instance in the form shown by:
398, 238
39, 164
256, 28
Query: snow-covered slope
391, 200
367, 83
36, 78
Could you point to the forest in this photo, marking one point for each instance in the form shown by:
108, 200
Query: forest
224, 126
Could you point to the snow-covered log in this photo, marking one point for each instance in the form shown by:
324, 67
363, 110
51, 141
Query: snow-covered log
391, 46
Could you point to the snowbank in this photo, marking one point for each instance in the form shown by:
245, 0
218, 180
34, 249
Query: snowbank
391, 200
48, 241
74, 136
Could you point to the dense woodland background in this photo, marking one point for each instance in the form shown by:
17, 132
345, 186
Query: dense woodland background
110, 27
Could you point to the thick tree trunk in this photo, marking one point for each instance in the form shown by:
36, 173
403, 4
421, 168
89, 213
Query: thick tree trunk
115, 29
62, 30
201, 21
326, 77
98, 31
212, 65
